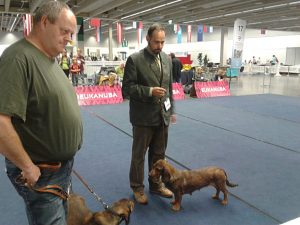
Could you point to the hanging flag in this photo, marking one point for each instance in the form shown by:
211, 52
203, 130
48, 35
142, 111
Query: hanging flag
211, 29
80, 31
96, 22
27, 25
140, 33
119, 32
175, 28
189, 33
200, 33
134, 25
179, 34
262, 31
204, 28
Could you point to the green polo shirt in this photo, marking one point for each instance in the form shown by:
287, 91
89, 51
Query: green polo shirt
36, 93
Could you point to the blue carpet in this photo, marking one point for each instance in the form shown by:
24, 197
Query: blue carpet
254, 138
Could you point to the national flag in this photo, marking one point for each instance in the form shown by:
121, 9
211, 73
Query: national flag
27, 24
210, 29
134, 24
119, 32
96, 22
140, 33
80, 31
189, 33
200, 33
262, 31
204, 28
179, 34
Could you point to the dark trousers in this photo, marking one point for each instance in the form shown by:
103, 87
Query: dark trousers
154, 140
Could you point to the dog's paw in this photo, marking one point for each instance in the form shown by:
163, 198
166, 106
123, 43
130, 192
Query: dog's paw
215, 197
176, 207
224, 202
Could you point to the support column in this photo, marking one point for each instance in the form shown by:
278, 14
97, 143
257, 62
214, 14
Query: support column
224, 46
110, 42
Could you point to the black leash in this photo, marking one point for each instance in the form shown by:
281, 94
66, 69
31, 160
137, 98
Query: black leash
99, 199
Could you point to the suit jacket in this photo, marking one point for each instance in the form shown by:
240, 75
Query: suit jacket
141, 72
177, 67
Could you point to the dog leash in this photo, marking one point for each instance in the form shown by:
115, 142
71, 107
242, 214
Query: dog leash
52, 188
99, 199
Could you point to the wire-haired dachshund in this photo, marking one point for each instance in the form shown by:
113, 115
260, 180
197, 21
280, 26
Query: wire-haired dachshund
187, 181
79, 214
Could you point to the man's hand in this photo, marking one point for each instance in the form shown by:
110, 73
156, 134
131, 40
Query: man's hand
158, 92
31, 175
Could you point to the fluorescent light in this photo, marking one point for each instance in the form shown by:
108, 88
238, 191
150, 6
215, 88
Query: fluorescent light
147, 10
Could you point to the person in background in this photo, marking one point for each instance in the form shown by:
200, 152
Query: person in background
35, 130
176, 68
274, 60
148, 83
80, 62
65, 63
75, 71
120, 70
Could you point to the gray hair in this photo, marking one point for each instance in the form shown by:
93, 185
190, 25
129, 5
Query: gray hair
51, 10
153, 28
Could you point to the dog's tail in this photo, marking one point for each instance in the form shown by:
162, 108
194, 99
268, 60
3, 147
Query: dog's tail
228, 183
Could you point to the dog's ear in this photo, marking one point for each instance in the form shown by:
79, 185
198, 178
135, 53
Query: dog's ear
166, 175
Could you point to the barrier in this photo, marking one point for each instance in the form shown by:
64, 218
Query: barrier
212, 89
95, 95
178, 93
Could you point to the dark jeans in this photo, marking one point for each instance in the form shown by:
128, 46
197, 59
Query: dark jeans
154, 139
44, 208
75, 79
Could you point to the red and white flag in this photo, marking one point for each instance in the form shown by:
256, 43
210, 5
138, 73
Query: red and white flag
189, 33
27, 24
140, 33
95, 22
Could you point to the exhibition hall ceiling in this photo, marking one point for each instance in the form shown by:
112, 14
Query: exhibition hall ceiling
281, 15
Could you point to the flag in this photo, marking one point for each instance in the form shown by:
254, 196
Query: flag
80, 28
179, 34
262, 31
119, 32
204, 28
200, 33
175, 28
134, 25
140, 33
95, 22
189, 33
210, 29
27, 25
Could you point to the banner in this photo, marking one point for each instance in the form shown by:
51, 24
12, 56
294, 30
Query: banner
189, 33
27, 25
96, 95
212, 89
200, 33
238, 42
178, 93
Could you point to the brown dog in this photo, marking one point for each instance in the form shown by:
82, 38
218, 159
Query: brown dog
79, 214
187, 181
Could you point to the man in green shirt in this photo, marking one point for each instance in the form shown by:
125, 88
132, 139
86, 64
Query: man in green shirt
40, 120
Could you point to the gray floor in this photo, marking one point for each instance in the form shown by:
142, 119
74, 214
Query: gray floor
249, 84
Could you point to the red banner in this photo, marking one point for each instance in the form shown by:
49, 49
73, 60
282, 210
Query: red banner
178, 92
95, 95
212, 89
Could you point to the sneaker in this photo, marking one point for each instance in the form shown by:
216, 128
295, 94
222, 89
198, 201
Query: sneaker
140, 197
163, 192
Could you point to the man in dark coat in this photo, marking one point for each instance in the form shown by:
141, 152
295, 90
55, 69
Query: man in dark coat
148, 84
177, 67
